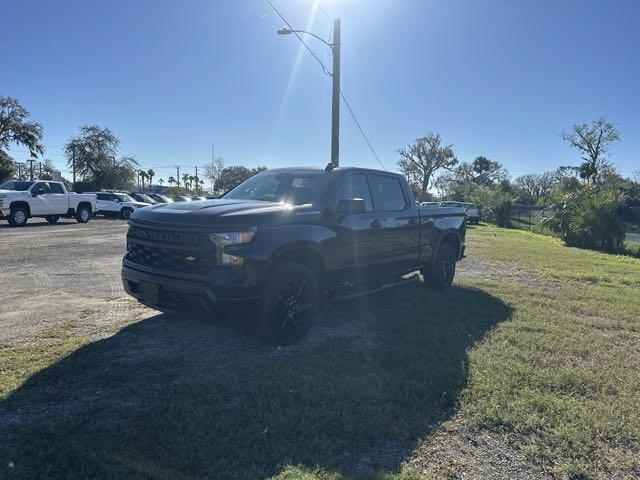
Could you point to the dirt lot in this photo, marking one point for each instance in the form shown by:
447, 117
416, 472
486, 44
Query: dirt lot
62, 275
456, 384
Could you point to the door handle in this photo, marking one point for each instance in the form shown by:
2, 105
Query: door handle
377, 223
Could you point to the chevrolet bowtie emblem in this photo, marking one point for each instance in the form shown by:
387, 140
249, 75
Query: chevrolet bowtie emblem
190, 258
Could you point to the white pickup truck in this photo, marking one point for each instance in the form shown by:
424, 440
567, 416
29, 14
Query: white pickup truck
20, 200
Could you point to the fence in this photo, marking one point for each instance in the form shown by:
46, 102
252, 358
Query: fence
529, 217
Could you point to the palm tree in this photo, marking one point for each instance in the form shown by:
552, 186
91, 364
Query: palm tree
161, 181
185, 179
150, 174
171, 181
143, 176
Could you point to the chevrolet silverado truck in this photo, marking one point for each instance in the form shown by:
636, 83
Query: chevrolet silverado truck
21, 200
286, 241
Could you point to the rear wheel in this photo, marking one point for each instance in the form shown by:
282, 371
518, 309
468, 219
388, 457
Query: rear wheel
83, 214
440, 274
52, 219
289, 304
18, 216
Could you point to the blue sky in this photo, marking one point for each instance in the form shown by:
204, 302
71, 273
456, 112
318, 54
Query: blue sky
498, 78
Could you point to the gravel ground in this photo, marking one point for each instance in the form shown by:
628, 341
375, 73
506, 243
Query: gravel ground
62, 275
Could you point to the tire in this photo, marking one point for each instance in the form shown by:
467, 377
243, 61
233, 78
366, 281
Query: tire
126, 213
18, 217
440, 274
289, 304
83, 214
52, 219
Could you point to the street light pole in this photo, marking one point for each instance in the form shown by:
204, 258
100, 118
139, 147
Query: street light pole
335, 98
335, 74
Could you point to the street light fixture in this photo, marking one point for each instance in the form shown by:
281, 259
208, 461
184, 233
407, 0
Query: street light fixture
335, 75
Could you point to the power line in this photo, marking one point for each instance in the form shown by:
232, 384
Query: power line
353, 115
324, 68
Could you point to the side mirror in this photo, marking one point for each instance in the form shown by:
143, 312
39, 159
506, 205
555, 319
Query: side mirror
350, 206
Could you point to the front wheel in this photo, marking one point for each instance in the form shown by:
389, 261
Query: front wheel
126, 213
289, 304
83, 214
52, 219
18, 217
440, 273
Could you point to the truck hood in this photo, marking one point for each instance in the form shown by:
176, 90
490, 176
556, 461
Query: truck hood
219, 212
13, 192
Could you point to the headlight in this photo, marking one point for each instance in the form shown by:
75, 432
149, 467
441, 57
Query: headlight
224, 239
232, 238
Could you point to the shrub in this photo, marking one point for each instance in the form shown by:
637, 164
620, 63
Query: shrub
496, 205
590, 218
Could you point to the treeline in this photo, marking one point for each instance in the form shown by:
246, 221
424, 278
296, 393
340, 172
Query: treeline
589, 202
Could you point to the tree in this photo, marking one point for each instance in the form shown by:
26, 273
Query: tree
171, 181
7, 167
185, 180
96, 159
536, 186
466, 178
212, 171
150, 175
231, 177
143, 176
15, 128
421, 160
161, 181
593, 142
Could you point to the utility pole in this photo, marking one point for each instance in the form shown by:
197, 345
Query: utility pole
73, 160
178, 174
31, 160
40, 165
335, 99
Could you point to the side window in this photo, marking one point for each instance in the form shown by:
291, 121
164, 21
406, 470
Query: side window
101, 196
355, 186
56, 188
40, 188
387, 193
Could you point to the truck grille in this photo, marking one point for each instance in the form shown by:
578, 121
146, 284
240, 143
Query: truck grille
175, 251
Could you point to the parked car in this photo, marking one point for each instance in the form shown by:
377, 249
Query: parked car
285, 241
143, 197
160, 198
195, 198
452, 204
429, 204
473, 213
117, 204
21, 200
181, 198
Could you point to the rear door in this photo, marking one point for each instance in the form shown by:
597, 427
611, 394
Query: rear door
56, 198
400, 241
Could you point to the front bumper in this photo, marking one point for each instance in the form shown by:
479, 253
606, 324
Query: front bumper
172, 294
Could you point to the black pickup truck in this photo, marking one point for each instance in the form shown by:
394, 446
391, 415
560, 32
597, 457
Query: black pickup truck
285, 241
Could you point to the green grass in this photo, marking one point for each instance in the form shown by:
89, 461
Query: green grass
544, 351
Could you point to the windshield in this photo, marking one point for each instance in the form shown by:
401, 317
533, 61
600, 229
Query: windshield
282, 187
145, 198
123, 197
17, 186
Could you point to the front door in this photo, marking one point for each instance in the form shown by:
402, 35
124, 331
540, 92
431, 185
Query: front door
355, 251
39, 203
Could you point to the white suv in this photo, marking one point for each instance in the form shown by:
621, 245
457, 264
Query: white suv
118, 204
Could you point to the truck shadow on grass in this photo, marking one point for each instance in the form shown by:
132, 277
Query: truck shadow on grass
175, 398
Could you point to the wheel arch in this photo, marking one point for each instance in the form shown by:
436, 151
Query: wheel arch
21, 203
304, 255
